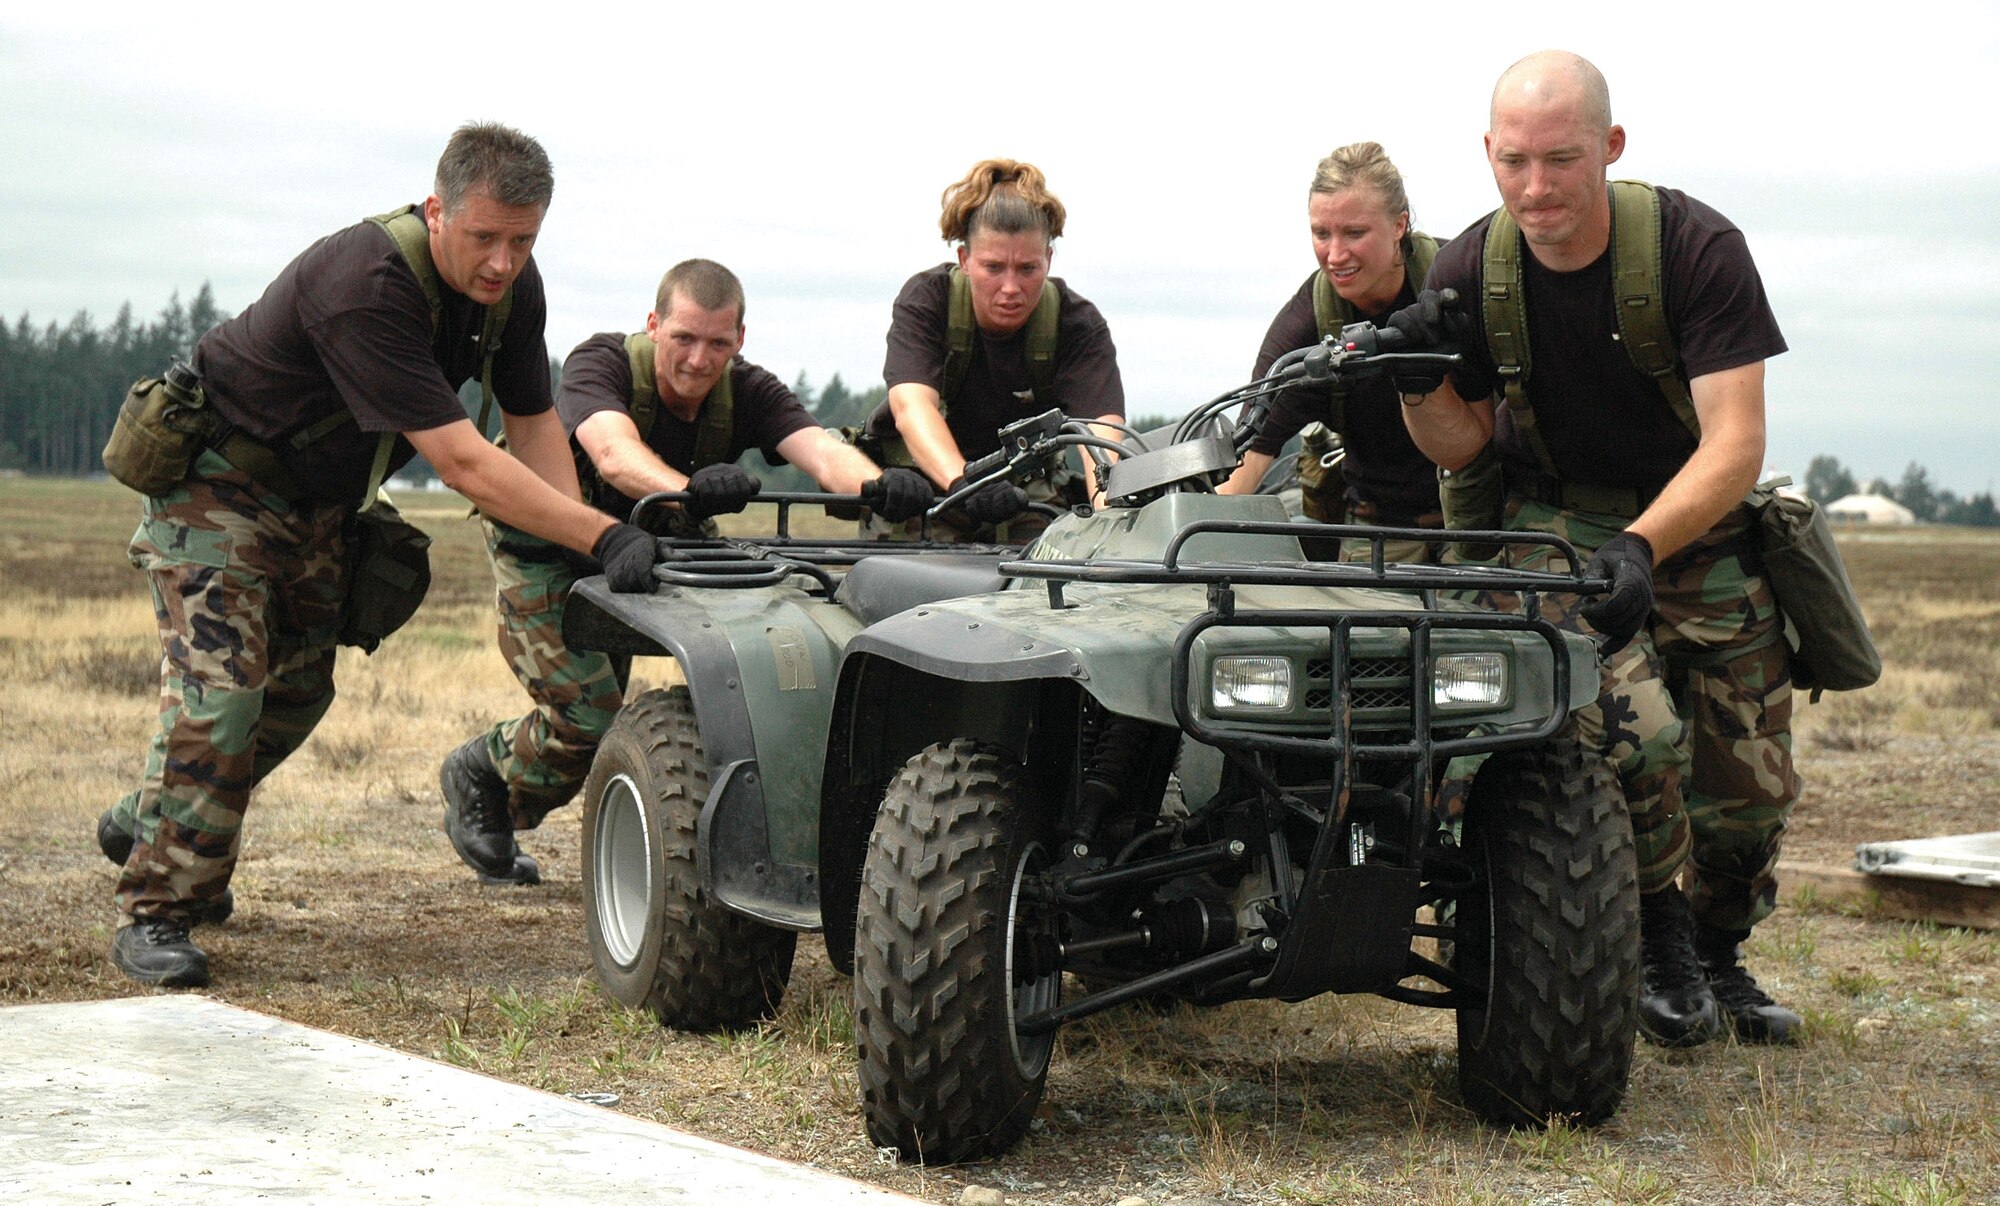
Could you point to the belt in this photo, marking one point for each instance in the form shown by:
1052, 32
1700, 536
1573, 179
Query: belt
258, 463
1368, 512
1623, 502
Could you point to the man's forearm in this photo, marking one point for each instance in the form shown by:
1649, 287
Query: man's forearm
506, 490
925, 433
538, 442
1725, 465
1448, 429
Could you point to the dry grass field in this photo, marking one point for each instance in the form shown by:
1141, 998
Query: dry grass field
354, 915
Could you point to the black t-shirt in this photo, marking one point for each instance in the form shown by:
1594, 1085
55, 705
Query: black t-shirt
1605, 422
763, 410
998, 387
1383, 465
346, 326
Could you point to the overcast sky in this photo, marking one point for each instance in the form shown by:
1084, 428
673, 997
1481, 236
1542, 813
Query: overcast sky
152, 147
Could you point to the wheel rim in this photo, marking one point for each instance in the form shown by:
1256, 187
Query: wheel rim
622, 869
1031, 1052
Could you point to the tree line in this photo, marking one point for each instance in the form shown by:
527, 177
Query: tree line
60, 386
1827, 479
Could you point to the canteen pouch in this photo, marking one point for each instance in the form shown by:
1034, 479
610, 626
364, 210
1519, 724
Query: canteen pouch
1831, 647
1322, 485
388, 574
161, 427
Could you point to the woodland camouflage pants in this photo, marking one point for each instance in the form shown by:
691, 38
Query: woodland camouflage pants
247, 592
1695, 713
545, 755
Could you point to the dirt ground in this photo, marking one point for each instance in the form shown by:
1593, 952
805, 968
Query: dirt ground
354, 915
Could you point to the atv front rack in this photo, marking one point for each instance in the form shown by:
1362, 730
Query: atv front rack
1221, 579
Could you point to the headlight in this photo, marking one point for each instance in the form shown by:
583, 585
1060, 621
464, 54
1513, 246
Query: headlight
1469, 680
1262, 684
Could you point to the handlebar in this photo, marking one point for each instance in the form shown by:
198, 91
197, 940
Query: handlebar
1359, 350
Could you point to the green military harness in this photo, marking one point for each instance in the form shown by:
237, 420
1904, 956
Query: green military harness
406, 226
1323, 486
1825, 632
716, 425
1473, 496
718, 409
961, 327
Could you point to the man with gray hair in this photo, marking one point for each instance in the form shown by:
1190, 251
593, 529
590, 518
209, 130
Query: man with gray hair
1612, 392
346, 368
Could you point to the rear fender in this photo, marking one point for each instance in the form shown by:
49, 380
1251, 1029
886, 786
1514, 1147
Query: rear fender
760, 674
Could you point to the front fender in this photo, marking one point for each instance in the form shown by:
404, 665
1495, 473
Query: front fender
760, 667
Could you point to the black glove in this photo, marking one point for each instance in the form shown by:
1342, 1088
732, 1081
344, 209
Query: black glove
1416, 382
1431, 321
627, 554
1626, 559
899, 494
719, 490
994, 502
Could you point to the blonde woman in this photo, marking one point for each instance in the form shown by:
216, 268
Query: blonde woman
1370, 263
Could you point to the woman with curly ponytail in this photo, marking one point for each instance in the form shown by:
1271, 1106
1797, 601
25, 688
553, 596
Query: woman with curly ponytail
979, 344
1370, 262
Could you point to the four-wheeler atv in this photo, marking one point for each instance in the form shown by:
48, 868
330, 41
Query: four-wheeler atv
1158, 749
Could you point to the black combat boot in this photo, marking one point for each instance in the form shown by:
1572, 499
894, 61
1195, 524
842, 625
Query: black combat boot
1676, 1006
476, 817
156, 950
1750, 1011
117, 846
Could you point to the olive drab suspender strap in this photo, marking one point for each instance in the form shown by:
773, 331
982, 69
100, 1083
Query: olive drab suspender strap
1331, 311
960, 327
718, 410
1504, 314
406, 226
645, 387
1636, 295
380, 469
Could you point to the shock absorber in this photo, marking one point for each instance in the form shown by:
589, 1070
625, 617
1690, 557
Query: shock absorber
1115, 759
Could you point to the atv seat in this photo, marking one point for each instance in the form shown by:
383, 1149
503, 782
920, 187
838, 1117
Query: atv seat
880, 587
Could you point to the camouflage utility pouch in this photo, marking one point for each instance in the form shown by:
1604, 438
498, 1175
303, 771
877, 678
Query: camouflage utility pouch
388, 565
1832, 649
162, 426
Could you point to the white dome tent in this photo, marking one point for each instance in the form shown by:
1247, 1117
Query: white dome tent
1869, 509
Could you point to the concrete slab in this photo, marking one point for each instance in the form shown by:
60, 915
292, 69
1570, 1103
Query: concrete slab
180, 1098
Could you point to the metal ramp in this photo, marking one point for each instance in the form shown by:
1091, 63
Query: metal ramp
1972, 859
